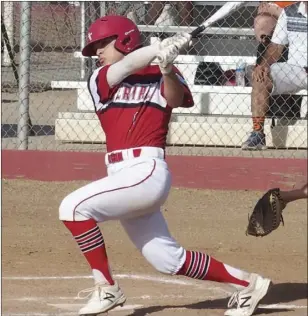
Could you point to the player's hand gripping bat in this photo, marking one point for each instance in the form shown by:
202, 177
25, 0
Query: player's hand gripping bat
224, 11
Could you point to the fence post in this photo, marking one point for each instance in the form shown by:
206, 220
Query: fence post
8, 20
102, 8
88, 21
24, 74
82, 38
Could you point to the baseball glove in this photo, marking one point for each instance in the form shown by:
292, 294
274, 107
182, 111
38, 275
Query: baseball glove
266, 215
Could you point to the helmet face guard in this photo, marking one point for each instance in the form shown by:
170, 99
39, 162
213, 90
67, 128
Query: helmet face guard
123, 29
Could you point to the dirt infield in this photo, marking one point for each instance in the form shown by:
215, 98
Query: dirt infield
43, 269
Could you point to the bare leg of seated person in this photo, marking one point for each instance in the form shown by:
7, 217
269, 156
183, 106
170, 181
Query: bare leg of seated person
279, 78
260, 98
264, 25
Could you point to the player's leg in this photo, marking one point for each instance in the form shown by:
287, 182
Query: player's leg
264, 25
110, 198
151, 236
106, 293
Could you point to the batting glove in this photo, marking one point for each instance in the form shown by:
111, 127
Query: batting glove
181, 40
166, 58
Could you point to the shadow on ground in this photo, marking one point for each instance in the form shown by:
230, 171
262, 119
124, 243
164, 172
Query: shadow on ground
279, 293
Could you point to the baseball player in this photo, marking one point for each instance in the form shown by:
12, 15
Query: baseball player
133, 100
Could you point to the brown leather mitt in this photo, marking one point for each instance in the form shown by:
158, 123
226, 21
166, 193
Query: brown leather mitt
266, 215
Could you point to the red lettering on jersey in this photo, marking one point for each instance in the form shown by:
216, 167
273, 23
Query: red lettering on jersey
142, 92
117, 95
126, 93
150, 93
133, 93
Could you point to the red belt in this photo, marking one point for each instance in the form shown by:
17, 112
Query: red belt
118, 156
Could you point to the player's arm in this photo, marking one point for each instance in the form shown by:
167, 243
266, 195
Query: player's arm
174, 88
111, 75
131, 63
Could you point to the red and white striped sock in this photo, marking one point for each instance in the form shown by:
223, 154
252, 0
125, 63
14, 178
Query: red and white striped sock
91, 243
203, 267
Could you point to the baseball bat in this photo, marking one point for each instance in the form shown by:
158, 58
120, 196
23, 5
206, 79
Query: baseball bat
224, 11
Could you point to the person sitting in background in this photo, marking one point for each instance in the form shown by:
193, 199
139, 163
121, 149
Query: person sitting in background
271, 77
162, 13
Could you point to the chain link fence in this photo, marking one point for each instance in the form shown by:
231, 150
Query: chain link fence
59, 113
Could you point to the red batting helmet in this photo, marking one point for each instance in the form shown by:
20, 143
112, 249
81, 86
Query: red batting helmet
125, 30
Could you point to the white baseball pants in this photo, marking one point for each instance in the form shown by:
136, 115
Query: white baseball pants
133, 193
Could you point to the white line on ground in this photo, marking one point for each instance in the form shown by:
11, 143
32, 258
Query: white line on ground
119, 276
146, 297
76, 307
71, 298
41, 298
152, 278
28, 278
39, 314
283, 306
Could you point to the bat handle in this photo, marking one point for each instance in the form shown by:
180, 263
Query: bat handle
198, 30
161, 57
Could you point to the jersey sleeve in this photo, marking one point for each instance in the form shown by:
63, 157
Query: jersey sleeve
99, 88
188, 98
280, 35
103, 87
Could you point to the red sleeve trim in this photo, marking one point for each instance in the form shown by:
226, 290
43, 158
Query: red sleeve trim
103, 89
